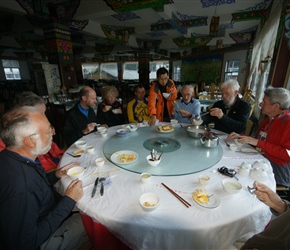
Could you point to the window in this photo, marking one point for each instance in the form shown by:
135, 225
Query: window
131, 71
154, 66
11, 69
109, 71
232, 69
90, 71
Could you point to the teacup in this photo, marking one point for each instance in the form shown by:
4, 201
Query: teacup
245, 169
233, 147
145, 177
90, 149
100, 162
203, 179
104, 134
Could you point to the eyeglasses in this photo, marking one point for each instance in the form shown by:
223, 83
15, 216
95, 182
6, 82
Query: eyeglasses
50, 131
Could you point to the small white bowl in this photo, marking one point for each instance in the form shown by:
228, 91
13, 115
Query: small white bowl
173, 121
90, 149
259, 174
204, 179
122, 132
166, 95
102, 129
233, 147
145, 177
75, 172
231, 186
149, 201
197, 122
132, 127
81, 145
153, 163
104, 134
100, 162
240, 145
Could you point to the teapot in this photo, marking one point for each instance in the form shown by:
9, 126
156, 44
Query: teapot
209, 140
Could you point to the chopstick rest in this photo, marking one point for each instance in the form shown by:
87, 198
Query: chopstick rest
183, 201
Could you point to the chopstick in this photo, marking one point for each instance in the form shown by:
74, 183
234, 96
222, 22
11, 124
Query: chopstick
184, 202
204, 114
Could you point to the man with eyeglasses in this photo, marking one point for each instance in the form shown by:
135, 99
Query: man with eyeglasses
273, 135
32, 214
162, 93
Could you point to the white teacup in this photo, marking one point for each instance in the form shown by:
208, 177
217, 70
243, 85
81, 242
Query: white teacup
104, 134
233, 147
100, 162
145, 177
245, 169
204, 179
90, 149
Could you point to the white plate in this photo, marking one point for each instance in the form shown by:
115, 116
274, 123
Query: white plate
116, 157
213, 201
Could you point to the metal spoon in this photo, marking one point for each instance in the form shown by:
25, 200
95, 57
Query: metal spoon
75, 156
197, 117
102, 180
252, 190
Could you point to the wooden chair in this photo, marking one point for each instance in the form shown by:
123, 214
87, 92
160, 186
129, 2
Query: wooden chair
247, 95
249, 127
59, 112
204, 97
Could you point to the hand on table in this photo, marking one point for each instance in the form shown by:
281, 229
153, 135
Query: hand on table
216, 112
243, 139
269, 197
75, 190
61, 172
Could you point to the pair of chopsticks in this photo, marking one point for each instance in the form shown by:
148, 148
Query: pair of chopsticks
184, 202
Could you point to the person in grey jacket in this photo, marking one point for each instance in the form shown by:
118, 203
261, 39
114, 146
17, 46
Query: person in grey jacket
276, 235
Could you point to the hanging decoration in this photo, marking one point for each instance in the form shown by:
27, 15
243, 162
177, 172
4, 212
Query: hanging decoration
244, 36
195, 40
119, 34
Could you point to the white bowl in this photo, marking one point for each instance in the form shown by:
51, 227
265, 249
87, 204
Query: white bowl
240, 145
104, 134
102, 129
132, 127
173, 121
145, 177
122, 132
75, 172
166, 95
90, 149
149, 201
231, 186
100, 162
203, 179
153, 163
197, 122
233, 147
259, 174
81, 145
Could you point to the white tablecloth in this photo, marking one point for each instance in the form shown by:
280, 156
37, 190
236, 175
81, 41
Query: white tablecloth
171, 225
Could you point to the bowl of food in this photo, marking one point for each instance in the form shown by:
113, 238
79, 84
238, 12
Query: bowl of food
81, 145
153, 162
149, 201
209, 140
166, 95
195, 131
132, 127
231, 186
75, 172
122, 132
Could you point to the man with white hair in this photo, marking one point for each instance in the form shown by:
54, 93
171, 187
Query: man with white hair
231, 113
32, 214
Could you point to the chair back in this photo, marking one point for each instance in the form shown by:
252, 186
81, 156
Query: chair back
59, 112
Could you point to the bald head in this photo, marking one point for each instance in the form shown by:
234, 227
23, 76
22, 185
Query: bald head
88, 97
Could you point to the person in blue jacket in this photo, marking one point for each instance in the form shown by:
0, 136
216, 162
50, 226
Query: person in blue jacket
32, 214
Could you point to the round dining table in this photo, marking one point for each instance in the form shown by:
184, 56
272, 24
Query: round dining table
172, 225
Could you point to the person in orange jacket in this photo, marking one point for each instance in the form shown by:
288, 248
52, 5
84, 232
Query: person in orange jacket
161, 97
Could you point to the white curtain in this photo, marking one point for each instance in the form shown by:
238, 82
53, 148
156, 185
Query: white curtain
263, 47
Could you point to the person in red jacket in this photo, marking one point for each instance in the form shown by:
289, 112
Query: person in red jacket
273, 135
161, 97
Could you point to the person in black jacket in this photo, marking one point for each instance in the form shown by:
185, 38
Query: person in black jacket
32, 214
81, 119
231, 113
